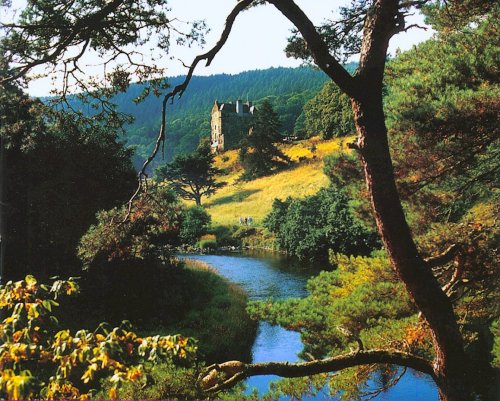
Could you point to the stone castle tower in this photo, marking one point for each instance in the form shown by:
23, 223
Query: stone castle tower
230, 123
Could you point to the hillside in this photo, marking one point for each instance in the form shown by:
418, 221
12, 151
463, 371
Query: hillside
188, 119
255, 198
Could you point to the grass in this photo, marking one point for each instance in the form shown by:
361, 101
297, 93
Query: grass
216, 316
255, 198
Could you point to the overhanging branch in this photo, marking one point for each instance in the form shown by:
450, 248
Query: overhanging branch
317, 46
179, 91
235, 371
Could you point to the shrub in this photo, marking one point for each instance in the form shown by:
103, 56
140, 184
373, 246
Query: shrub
149, 231
207, 244
309, 227
224, 235
195, 222
41, 361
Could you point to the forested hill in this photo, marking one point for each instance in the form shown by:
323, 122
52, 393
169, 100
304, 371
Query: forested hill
189, 118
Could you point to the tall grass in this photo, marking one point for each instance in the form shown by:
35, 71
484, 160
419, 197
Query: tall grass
255, 198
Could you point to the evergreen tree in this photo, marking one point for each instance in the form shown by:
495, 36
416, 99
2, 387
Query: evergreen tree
192, 176
259, 154
329, 113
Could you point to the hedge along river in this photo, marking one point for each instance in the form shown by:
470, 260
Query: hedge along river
266, 275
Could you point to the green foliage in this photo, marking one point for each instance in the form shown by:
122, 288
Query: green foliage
309, 227
195, 222
178, 296
445, 16
259, 154
475, 290
443, 121
225, 235
149, 231
362, 300
207, 244
39, 360
329, 113
192, 176
56, 173
288, 89
216, 316
495, 329
166, 381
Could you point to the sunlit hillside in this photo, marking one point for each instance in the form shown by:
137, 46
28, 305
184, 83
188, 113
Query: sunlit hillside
255, 198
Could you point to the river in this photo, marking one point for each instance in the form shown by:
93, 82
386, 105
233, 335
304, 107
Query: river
264, 275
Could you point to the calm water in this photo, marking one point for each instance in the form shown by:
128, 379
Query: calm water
265, 275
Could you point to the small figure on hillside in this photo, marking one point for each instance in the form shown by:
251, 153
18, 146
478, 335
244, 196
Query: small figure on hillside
250, 221
241, 221
246, 221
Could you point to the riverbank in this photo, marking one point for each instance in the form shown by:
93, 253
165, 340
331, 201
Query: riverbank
179, 297
185, 297
217, 315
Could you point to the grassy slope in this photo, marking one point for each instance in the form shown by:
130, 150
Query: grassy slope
215, 314
255, 198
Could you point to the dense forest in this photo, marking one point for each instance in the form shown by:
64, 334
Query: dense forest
288, 89
97, 298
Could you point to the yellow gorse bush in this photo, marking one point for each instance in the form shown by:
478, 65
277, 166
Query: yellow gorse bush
37, 360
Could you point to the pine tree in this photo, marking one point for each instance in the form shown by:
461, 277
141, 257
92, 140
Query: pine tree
258, 152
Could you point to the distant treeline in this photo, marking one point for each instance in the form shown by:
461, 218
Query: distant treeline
188, 119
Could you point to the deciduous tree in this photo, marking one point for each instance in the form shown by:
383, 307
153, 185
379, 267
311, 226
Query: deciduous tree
329, 113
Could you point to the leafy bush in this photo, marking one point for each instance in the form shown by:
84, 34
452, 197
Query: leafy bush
329, 113
195, 222
41, 361
151, 229
207, 244
309, 227
224, 235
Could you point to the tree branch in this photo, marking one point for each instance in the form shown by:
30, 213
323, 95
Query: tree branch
179, 91
444, 257
81, 27
317, 46
235, 371
456, 276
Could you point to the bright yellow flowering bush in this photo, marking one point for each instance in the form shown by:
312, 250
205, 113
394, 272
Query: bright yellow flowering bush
38, 360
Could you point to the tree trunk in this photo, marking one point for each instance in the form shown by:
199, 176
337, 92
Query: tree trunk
450, 362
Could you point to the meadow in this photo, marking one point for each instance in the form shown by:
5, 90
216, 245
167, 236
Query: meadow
255, 198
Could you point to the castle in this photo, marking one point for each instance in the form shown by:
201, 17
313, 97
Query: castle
230, 123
